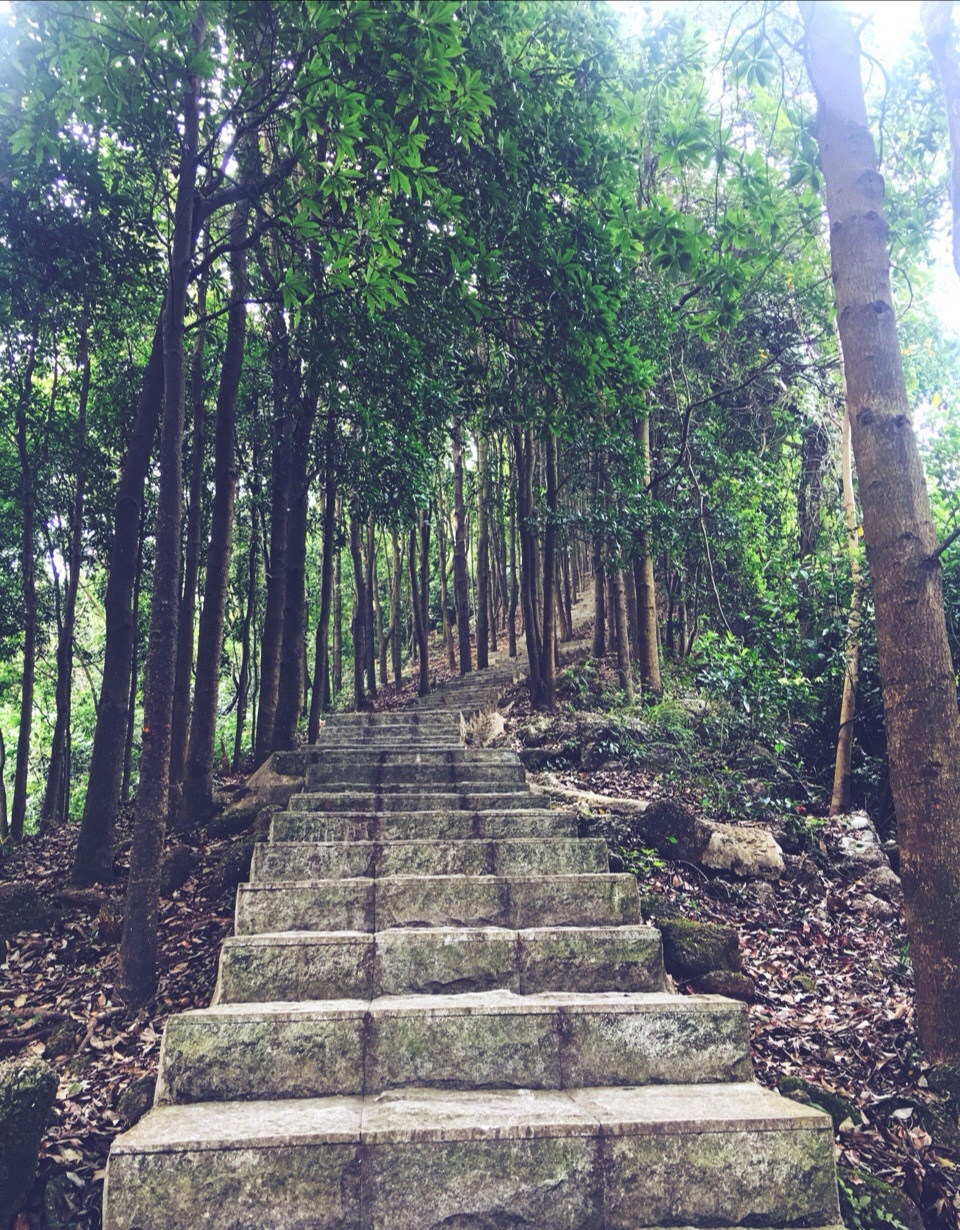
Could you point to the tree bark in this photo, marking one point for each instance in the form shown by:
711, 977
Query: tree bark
917, 675
243, 679
599, 647
461, 581
358, 624
198, 778
320, 698
523, 447
483, 558
444, 592
56, 801
370, 642
93, 861
648, 647
418, 622
840, 798
138, 945
337, 638
619, 606
548, 670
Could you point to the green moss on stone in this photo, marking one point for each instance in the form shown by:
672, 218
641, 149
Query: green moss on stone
839, 1109
693, 948
27, 1091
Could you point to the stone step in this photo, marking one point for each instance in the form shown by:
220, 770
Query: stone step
617, 1158
412, 776
496, 1040
514, 902
438, 961
296, 764
351, 859
435, 825
423, 800
451, 787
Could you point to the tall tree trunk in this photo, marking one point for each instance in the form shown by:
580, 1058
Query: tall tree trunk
243, 679
320, 698
134, 684
293, 671
337, 638
619, 606
523, 447
396, 590
483, 557
370, 561
138, 945
4, 824
461, 581
548, 670
648, 649
56, 801
358, 625
840, 798
916, 671
271, 634
198, 778
383, 635
514, 601
28, 589
191, 562
599, 647
419, 625
444, 592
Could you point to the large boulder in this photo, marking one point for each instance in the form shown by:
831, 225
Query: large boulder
266, 788
22, 908
676, 833
27, 1091
691, 949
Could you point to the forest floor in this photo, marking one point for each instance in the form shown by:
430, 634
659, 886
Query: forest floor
833, 1002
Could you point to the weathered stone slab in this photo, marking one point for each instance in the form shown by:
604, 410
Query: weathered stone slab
445, 961
418, 800
263, 968
416, 825
318, 905
238, 1052
405, 776
591, 959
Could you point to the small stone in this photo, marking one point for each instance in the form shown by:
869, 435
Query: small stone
178, 865
655, 906
693, 948
23, 909
726, 982
838, 1108
137, 1099
883, 882
27, 1092
805, 983
233, 868
751, 854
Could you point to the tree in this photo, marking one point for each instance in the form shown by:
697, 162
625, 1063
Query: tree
923, 721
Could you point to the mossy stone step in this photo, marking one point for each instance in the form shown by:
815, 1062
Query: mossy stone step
438, 961
584, 1159
348, 859
416, 825
364, 904
492, 1040
420, 800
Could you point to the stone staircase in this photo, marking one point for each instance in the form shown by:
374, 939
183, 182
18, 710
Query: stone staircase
440, 1009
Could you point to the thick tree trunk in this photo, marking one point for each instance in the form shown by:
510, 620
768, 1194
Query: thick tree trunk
191, 563
461, 581
337, 637
56, 801
138, 945
514, 601
198, 782
93, 861
483, 558
419, 625
917, 674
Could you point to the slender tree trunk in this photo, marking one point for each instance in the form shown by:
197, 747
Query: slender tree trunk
419, 626
599, 647
293, 671
56, 801
198, 782
358, 625
370, 561
548, 671
28, 589
483, 558
337, 671
320, 699
4, 824
134, 685
514, 602
93, 861
191, 562
523, 447
840, 798
444, 592
619, 606
138, 945
395, 611
916, 671
383, 636
461, 582
648, 651
243, 680
271, 634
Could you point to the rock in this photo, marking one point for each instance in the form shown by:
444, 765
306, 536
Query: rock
877, 909
233, 868
726, 982
654, 906
749, 853
871, 1204
944, 1079
537, 731
137, 1099
27, 1091
537, 759
178, 865
675, 832
765, 893
803, 870
883, 882
60, 1201
804, 982
23, 909
694, 948
839, 1109
261, 826
265, 788
856, 844
63, 1038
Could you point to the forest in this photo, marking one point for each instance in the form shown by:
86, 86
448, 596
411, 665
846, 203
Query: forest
351, 345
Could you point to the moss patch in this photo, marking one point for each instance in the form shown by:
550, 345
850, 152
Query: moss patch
694, 948
27, 1091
